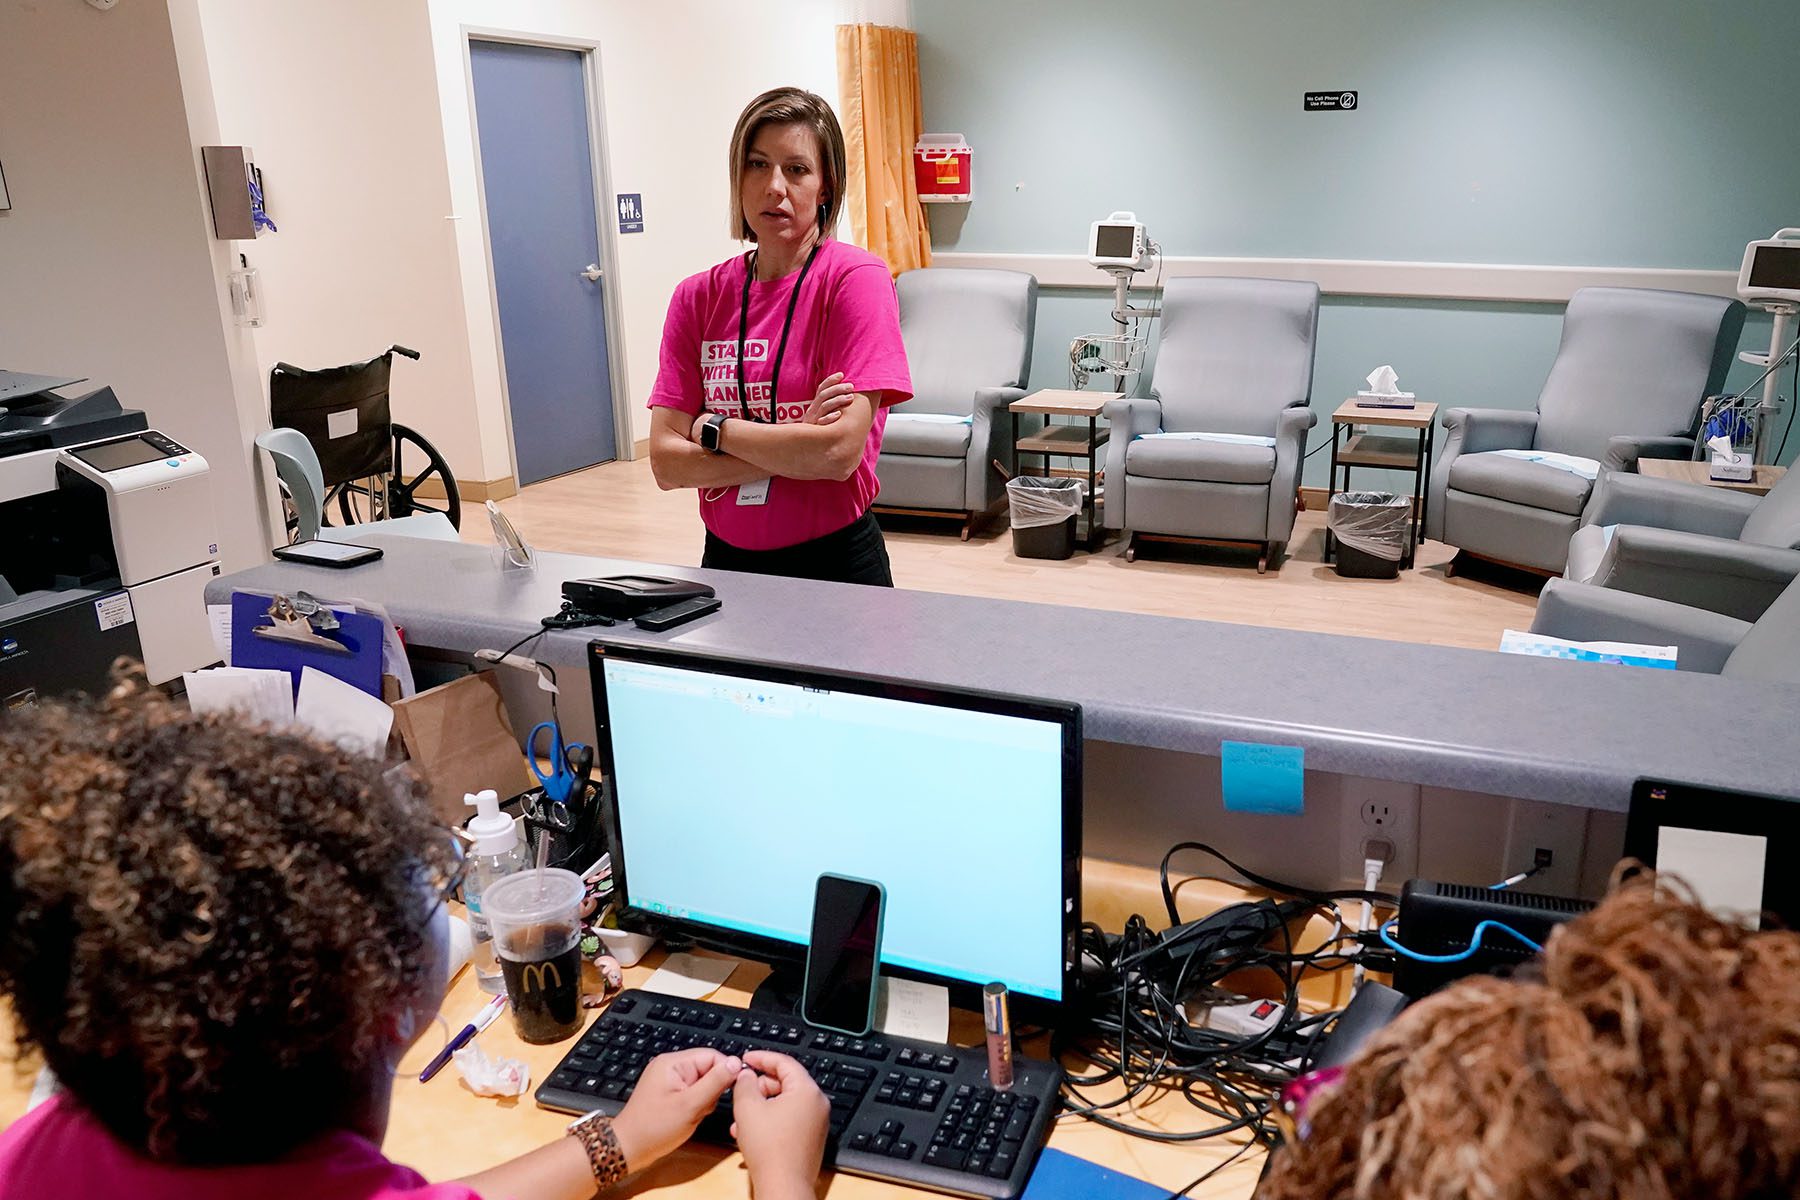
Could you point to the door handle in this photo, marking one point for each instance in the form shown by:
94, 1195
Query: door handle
592, 274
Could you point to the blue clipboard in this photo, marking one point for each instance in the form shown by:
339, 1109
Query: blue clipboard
361, 633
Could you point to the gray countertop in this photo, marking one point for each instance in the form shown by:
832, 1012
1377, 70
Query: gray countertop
1543, 729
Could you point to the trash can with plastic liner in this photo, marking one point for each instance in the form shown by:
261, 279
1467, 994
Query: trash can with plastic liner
1044, 512
1372, 530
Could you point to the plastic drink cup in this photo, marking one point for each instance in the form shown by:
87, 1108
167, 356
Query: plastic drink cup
536, 921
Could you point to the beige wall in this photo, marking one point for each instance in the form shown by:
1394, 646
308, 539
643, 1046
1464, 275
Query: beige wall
674, 77
338, 98
107, 265
359, 116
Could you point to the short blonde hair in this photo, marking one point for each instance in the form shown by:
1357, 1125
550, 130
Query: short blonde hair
789, 106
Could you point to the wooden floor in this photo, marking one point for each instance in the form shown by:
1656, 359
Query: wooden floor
616, 510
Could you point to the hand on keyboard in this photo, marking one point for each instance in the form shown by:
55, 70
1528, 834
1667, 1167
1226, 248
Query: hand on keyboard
674, 1094
780, 1118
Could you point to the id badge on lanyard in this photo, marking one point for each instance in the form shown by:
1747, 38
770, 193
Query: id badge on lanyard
757, 491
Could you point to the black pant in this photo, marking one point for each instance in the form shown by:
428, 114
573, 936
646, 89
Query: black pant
854, 554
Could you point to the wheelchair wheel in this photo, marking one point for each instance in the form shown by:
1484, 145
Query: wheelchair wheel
290, 512
416, 461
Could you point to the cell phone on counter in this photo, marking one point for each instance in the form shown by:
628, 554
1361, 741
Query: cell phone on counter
843, 955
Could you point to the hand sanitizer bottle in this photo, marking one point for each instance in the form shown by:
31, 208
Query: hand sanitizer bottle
498, 851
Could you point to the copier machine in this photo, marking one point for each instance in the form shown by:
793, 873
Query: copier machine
107, 540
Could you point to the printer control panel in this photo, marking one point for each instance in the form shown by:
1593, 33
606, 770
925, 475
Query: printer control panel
122, 454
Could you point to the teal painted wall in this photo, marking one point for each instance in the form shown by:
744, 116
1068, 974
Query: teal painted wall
1605, 133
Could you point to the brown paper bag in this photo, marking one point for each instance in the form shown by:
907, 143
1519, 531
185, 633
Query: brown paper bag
459, 741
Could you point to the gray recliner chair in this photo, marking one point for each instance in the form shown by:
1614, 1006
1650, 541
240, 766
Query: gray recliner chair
1724, 551
968, 343
1236, 358
1628, 380
1767, 648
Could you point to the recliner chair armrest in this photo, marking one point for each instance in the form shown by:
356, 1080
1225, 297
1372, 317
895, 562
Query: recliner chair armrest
1290, 452
1477, 430
1625, 499
1581, 612
1292, 424
1624, 450
990, 441
996, 400
1722, 575
1125, 420
1472, 431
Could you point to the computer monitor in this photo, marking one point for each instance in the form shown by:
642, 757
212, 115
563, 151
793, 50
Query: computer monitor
732, 786
1734, 850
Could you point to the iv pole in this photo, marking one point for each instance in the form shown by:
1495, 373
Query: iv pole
1782, 311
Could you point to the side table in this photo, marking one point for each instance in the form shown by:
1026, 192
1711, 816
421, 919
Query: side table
1067, 441
1383, 450
1684, 471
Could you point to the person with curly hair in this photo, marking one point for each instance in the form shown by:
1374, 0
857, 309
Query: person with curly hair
1653, 1053
222, 941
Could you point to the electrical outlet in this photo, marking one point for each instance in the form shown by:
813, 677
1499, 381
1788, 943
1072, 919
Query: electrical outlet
1535, 829
1375, 814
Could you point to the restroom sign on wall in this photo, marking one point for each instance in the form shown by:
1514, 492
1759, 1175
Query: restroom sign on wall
631, 212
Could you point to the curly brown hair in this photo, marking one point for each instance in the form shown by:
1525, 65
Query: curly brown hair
202, 924
1656, 1056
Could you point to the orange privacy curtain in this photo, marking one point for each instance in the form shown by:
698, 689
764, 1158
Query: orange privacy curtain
878, 76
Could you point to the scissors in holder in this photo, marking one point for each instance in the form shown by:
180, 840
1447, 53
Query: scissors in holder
560, 780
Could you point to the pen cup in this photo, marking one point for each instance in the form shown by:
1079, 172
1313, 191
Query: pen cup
537, 933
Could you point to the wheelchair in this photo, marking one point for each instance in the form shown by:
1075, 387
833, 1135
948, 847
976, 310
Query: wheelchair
373, 467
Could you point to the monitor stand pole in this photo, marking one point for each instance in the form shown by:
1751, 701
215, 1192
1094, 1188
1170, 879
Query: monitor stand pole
780, 992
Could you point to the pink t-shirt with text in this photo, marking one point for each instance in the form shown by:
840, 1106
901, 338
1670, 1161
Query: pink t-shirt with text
59, 1150
847, 319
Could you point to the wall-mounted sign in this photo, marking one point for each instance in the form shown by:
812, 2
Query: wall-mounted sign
631, 212
1330, 101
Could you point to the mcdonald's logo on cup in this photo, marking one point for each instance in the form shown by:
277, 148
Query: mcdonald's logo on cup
532, 977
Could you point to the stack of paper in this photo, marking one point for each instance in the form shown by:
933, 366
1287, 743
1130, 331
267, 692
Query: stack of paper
328, 708
262, 697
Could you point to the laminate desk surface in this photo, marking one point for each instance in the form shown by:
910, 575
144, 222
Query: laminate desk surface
445, 1131
1469, 720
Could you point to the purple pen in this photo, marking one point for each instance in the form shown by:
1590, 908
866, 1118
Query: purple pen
481, 1021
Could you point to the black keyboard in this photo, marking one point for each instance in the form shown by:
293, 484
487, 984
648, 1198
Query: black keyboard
914, 1112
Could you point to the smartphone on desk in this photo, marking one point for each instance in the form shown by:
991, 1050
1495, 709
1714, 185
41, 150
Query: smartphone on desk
843, 955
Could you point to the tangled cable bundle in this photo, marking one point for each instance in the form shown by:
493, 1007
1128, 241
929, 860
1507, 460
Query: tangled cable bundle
1655, 1055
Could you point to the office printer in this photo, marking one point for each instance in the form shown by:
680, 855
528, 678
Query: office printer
107, 541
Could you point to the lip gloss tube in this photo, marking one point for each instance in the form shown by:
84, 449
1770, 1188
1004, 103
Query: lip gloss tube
999, 1036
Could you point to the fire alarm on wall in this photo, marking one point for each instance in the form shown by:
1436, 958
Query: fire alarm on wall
104, 5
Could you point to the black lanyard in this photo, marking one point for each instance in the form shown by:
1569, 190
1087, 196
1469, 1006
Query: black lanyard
781, 348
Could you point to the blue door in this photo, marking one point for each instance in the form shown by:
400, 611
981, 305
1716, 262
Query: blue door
531, 115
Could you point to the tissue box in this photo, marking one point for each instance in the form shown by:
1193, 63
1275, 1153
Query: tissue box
1731, 468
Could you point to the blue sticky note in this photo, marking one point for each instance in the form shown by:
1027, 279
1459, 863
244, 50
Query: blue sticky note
1259, 778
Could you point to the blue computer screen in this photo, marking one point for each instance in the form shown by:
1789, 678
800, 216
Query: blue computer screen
734, 794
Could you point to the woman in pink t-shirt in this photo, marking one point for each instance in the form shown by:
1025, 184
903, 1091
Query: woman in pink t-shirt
802, 316
223, 941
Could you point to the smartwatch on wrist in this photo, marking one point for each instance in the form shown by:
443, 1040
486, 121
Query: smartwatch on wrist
709, 433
